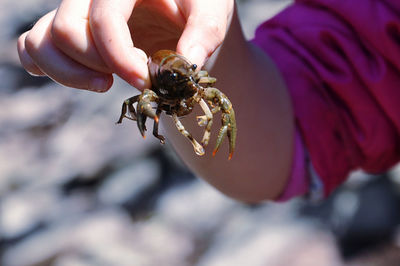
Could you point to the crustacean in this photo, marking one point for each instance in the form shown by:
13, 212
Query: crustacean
176, 88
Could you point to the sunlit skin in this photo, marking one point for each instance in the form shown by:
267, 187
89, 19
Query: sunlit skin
84, 42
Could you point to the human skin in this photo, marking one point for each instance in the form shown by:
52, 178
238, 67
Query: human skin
85, 51
261, 164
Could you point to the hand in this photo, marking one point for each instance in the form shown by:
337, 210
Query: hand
83, 42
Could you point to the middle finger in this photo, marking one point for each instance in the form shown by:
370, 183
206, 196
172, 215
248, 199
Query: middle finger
71, 34
58, 66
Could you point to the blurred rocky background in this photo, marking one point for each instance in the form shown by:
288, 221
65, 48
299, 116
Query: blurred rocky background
77, 190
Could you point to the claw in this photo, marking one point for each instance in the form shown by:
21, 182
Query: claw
141, 122
221, 102
127, 105
132, 112
123, 112
155, 127
221, 135
228, 128
144, 109
232, 132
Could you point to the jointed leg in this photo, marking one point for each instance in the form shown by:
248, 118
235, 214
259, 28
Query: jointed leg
198, 149
155, 127
144, 109
205, 120
227, 129
228, 118
204, 78
127, 105
202, 119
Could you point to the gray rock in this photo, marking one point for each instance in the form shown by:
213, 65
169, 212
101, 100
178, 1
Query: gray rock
129, 182
242, 242
23, 210
196, 207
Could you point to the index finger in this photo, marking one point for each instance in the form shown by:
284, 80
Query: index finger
205, 28
108, 25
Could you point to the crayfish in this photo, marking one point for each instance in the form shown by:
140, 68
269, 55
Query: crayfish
176, 88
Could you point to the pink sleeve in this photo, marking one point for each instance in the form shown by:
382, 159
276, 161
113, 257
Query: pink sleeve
341, 63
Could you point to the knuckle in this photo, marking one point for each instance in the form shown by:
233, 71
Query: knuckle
21, 43
61, 29
96, 19
30, 43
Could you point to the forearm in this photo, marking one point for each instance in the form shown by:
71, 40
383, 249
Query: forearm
261, 163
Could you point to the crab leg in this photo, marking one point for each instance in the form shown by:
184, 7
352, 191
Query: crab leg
202, 119
205, 120
228, 118
155, 127
205, 79
198, 149
127, 105
144, 109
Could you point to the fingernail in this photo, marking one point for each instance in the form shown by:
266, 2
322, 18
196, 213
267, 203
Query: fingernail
99, 84
140, 83
142, 54
140, 77
143, 71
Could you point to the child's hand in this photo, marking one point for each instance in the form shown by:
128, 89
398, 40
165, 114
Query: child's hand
84, 41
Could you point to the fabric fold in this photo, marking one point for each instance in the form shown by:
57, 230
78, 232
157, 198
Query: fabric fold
340, 60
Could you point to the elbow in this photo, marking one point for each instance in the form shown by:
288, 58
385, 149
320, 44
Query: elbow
251, 194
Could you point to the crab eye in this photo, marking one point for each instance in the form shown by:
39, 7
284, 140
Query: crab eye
193, 67
174, 75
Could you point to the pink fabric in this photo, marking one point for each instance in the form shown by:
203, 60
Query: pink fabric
298, 183
341, 62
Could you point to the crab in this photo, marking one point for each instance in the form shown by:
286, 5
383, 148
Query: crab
176, 88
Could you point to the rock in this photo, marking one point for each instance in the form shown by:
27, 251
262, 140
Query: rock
127, 183
244, 240
105, 237
195, 207
24, 210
